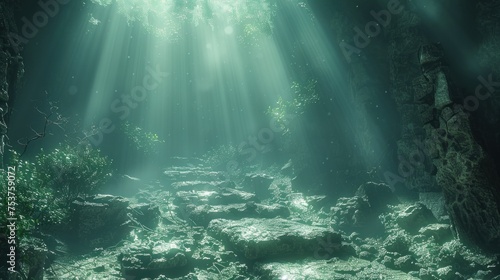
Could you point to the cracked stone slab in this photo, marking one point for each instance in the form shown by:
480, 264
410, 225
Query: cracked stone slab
266, 239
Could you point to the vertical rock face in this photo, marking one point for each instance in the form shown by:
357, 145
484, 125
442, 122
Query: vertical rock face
11, 67
450, 157
414, 95
469, 182
445, 147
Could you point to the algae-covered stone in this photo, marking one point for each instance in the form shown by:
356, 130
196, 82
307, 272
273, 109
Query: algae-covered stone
260, 239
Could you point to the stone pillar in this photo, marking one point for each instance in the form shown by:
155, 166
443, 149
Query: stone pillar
413, 95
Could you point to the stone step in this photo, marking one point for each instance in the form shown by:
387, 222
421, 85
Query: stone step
202, 185
215, 197
203, 214
188, 174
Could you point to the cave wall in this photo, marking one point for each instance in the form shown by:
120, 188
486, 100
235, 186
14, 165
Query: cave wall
448, 141
441, 148
11, 68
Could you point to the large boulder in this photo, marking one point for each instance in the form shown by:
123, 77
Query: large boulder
162, 259
355, 214
436, 203
378, 195
440, 232
414, 217
145, 214
266, 239
99, 221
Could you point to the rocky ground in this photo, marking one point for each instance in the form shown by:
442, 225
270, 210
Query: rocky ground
194, 224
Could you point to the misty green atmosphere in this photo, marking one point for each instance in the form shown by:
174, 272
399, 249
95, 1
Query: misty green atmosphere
250, 139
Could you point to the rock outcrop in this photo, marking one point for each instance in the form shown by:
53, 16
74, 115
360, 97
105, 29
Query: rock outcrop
11, 68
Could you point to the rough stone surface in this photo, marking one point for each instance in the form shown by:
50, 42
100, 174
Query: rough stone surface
262, 239
415, 217
163, 259
145, 214
470, 184
259, 184
203, 214
220, 196
99, 221
11, 68
202, 185
452, 157
337, 269
377, 195
440, 232
192, 173
435, 202
355, 214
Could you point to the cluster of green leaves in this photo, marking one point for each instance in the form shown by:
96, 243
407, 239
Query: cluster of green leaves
73, 172
303, 95
35, 203
45, 186
167, 18
146, 142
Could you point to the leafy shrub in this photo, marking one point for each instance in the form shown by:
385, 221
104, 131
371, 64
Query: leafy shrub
286, 109
34, 202
254, 17
146, 142
45, 187
73, 173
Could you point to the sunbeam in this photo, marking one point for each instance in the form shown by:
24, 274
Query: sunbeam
249, 139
